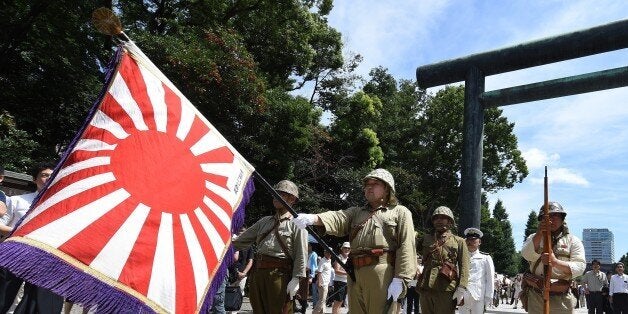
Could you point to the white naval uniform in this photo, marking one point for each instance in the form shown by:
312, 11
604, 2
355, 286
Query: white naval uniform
481, 285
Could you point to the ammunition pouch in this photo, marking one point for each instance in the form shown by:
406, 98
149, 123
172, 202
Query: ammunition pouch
265, 262
448, 271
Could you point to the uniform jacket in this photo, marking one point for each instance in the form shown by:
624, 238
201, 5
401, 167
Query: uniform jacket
389, 228
454, 250
481, 274
568, 248
294, 238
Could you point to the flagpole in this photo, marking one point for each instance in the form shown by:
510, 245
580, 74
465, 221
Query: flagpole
347, 267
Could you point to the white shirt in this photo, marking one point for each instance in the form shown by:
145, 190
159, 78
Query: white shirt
481, 275
619, 284
325, 269
17, 206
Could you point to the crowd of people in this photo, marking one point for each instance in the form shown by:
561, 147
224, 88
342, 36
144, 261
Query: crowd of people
381, 266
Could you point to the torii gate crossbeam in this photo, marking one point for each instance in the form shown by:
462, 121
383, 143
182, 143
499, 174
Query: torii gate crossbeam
473, 69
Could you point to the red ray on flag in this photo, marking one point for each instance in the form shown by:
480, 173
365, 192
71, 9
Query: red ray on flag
140, 211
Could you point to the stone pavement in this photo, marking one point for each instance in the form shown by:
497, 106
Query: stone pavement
501, 308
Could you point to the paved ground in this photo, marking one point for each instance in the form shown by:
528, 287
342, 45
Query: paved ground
502, 308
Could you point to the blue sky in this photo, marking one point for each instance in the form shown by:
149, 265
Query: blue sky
582, 138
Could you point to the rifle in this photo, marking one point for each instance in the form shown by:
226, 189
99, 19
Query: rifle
547, 246
348, 266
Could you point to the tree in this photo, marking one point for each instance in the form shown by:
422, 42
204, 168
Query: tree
624, 259
49, 66
531, 227
16, 145
505, 249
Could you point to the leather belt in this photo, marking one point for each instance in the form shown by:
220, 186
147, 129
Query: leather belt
374, 258
265, 262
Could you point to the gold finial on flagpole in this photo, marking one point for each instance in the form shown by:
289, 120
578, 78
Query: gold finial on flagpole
106, 22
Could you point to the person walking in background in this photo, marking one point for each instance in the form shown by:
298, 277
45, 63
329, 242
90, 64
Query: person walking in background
340, 279
280, 258
593, 281
381, 234
479, 293
517, 285
445, 277
583, 298
35, 299
566, 258
312, 264
324, 278
412, 297
618, 290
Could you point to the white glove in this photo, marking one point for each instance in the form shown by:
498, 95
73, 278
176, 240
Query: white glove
459, 294
395, 289
304, 220
488, 301
293, 287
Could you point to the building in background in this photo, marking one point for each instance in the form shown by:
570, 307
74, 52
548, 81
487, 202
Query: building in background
16, 183
599, 244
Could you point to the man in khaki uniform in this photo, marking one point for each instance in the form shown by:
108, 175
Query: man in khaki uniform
438, 289
566, 258
383, 253
280, 258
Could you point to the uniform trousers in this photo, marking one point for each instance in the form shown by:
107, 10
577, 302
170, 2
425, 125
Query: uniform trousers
437, 302
562, 303
268, 291
472, 306
368, 294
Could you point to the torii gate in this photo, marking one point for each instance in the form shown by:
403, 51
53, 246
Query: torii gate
473, 69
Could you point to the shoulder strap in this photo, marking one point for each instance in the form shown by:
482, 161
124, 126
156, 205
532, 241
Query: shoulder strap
269, 231
359, 227
536, 264
284, 246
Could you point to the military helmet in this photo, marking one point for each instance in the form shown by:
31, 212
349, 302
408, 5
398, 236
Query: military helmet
288, 187
382, 175
554, 207
443, 210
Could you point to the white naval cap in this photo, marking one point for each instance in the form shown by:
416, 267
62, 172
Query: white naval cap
473, 233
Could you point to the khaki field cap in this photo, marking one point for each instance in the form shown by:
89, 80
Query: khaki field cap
382, 175
443, 210
288, 187
554, 207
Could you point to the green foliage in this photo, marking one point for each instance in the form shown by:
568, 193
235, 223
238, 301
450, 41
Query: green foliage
531, 226
49, 70
624, 259
16, 146
237, 61
498, 239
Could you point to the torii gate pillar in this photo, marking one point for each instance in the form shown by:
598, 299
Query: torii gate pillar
472, 149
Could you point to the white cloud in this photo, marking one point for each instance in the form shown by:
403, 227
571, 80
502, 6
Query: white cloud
561, 175
536, 158
383, 32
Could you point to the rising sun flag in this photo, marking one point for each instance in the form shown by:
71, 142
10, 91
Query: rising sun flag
138, 215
